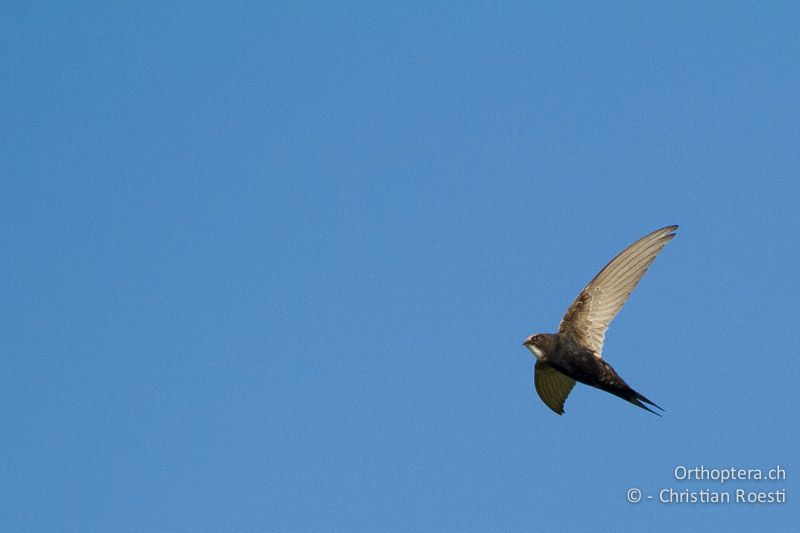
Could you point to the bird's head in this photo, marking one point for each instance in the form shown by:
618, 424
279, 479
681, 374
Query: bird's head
540, 345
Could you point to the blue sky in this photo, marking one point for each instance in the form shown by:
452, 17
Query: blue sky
269, 266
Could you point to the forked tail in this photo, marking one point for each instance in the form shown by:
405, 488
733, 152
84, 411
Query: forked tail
636, 399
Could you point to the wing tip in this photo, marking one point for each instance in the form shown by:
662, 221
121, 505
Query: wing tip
667, 231
662, 236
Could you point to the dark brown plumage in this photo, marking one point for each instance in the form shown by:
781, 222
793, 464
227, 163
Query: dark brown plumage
575, 352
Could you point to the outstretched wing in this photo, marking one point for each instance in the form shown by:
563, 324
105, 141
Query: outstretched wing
553, 386
587, 319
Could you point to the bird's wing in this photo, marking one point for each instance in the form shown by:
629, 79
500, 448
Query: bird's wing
553, 386
587, 319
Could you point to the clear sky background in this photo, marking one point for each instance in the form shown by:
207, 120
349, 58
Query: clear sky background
269, 266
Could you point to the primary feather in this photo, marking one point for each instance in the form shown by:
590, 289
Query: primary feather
589, 316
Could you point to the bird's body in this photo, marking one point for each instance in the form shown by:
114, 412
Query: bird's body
575, 352
580, 364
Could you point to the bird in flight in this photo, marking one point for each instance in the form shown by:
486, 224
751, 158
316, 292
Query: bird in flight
575, 353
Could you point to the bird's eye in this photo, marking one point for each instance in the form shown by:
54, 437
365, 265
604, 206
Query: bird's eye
537, 339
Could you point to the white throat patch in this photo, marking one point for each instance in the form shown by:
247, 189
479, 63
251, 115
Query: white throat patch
536, 351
